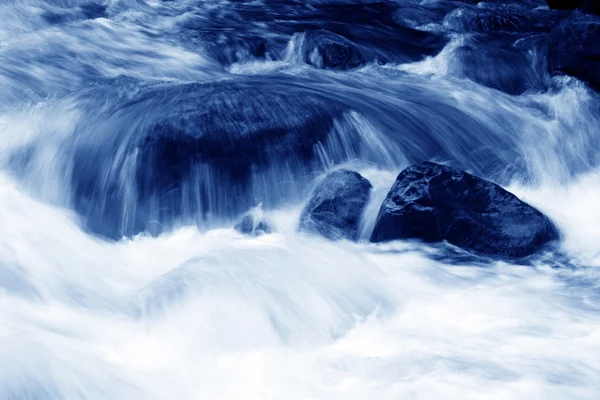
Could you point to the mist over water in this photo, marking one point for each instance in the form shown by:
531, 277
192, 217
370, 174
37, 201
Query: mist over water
135, 133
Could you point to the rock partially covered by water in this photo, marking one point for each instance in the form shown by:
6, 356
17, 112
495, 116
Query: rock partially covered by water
231, 47
574, 48
434, 202
327, 50
529, 4
199, 153
512, 18
253, 225
489, 62
336, 206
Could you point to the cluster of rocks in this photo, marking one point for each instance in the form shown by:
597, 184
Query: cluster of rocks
433, 203
560, 38
332, 35
349, 35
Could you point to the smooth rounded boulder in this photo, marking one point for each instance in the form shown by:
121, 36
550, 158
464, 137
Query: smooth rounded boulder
198, 154
336, 206
433, 202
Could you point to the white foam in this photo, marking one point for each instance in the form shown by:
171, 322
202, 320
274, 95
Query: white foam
216, 315
219, 315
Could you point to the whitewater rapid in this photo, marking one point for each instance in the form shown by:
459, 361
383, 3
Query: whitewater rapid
199, 311
193, 315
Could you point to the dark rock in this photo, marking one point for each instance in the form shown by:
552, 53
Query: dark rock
591, 7
252, 225
336, 206
199, 153
511, 18
586, 6
433, 203
564, 4
491, 63
574, 48
327, 50
369, 27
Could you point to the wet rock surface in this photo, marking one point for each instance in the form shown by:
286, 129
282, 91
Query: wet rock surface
433, 202
336, 206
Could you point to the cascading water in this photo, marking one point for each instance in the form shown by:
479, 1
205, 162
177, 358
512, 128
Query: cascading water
135, 133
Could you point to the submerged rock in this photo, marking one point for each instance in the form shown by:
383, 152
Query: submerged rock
231, 47
327, 50
199, 153
336, 206
434, 202
574, 48
491, 63
252, 225
511, 18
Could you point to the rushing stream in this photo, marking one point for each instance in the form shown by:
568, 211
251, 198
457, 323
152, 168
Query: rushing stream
135, 133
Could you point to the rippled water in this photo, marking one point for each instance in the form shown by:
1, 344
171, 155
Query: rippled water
133, 133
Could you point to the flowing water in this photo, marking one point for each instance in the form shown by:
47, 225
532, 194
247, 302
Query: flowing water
115, 285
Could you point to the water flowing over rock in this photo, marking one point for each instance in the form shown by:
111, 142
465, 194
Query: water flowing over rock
330, 51
433, 203
190, 152
346, 34
489, 62
148, 147
252, 225
511, 18
336, 206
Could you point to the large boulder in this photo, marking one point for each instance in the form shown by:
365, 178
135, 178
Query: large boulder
336, 206
198, 153
574, 48
434, 203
